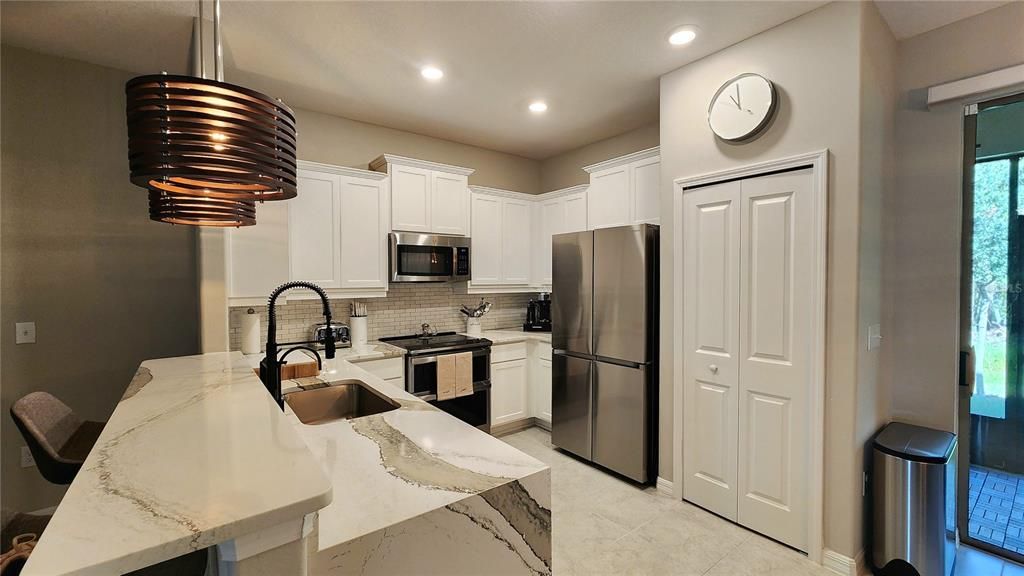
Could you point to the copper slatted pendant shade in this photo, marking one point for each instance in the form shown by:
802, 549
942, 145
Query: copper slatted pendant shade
207, 150
194, 137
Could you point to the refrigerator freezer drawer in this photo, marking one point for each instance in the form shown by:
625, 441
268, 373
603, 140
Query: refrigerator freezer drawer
621, 433
571, 404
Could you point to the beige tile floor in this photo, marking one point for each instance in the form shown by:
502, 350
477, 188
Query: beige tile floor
605, 525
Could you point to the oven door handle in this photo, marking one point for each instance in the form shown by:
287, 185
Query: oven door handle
420, 360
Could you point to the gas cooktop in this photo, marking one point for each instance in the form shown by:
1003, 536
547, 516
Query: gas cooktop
417, 344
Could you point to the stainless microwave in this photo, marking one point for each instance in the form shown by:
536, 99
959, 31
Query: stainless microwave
428, 257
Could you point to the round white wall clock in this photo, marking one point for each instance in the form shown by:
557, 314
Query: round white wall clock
742, 108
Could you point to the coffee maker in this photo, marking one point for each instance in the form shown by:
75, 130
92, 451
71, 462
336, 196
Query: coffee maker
538, 314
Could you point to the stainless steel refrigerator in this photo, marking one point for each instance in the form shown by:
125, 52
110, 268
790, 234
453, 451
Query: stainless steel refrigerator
604, 332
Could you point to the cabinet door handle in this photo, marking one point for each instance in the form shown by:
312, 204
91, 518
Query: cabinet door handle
713, 368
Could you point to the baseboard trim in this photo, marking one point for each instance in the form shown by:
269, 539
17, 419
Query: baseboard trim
664, 486
842, 564
512, 427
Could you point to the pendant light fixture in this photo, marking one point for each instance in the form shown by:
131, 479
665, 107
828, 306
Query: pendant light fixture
207, 150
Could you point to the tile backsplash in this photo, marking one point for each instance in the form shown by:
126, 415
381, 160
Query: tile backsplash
405, 308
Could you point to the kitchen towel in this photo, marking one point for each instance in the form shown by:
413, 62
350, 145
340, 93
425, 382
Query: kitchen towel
251, 332
463, 374
446, 377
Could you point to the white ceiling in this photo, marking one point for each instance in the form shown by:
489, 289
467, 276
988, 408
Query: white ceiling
908, 18
596, 63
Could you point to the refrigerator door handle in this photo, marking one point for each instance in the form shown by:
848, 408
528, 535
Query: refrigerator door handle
623, 363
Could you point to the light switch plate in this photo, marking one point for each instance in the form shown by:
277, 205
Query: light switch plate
27, 461
24, 332
874, 336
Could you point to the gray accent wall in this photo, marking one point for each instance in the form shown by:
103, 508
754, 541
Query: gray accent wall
106, 287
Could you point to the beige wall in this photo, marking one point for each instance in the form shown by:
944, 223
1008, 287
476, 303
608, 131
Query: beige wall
922, 253
344, 142
816, 62
106, 287
566, 169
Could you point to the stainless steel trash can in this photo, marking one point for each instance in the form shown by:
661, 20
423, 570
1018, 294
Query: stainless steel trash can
914, 491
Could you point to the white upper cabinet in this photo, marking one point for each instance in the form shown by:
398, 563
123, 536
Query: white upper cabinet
624, 190
486, 243
410, 198
608, 198
502, 239
314, 229
334, 233
258, 255
515, 241
556, 212
449, 204
364, 233
646, 181
426, 197
576, 212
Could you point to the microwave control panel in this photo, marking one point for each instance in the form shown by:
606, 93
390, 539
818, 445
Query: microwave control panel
462, 261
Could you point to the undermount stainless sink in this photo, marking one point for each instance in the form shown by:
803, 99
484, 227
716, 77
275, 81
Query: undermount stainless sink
342, 400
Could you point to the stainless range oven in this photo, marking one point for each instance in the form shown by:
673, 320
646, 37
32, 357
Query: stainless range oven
421, 357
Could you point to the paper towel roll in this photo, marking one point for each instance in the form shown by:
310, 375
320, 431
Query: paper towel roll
251, 332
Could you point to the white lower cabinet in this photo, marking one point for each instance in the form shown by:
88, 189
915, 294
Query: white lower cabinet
508, 392
540, 387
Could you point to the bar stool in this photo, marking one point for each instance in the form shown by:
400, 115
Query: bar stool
58, 439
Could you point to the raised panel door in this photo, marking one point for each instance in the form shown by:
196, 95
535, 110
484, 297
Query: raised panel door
646, 184
575, 213
258, 255
508, 392
410, 198
449, 204
775, 326
515, 241
363, 234
314, 229
486, 239
608, 198
711, 220
550, 221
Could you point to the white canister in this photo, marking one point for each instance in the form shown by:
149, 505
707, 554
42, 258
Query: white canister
473, 326
357, 325
251, 332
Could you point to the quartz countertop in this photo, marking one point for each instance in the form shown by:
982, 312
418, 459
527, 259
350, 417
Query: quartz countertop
373, 350
513, 335
196, 453
390, 467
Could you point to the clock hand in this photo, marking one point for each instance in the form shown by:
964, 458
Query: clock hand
734, 101
738, 100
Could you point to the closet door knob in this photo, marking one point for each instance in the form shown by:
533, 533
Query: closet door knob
713, 368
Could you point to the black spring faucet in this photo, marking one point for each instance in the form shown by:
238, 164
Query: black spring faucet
270, 366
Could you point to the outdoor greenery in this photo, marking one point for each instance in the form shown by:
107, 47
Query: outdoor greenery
990, 245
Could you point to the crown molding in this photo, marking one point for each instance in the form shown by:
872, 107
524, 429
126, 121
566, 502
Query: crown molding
342, 170
563, 192
503, 193
626, 159
381, 163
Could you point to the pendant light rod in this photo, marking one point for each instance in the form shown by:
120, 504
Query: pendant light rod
218, 54
202, 42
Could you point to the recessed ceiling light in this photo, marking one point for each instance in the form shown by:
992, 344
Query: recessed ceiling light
538, 106
432, 73
682, 35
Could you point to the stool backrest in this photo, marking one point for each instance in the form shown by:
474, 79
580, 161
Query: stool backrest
47, 424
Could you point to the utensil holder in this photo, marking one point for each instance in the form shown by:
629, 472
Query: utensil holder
473, 326
357, 324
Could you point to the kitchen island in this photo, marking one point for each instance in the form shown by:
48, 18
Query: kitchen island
418, 491
197, 454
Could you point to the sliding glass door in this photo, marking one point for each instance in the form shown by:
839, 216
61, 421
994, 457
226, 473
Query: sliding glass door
991, 423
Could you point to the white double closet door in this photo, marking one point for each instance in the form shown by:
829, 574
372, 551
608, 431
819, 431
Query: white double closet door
748, 283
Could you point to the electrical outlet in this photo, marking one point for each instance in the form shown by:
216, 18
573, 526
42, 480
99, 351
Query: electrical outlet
874, 336
24, 332
27, 461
